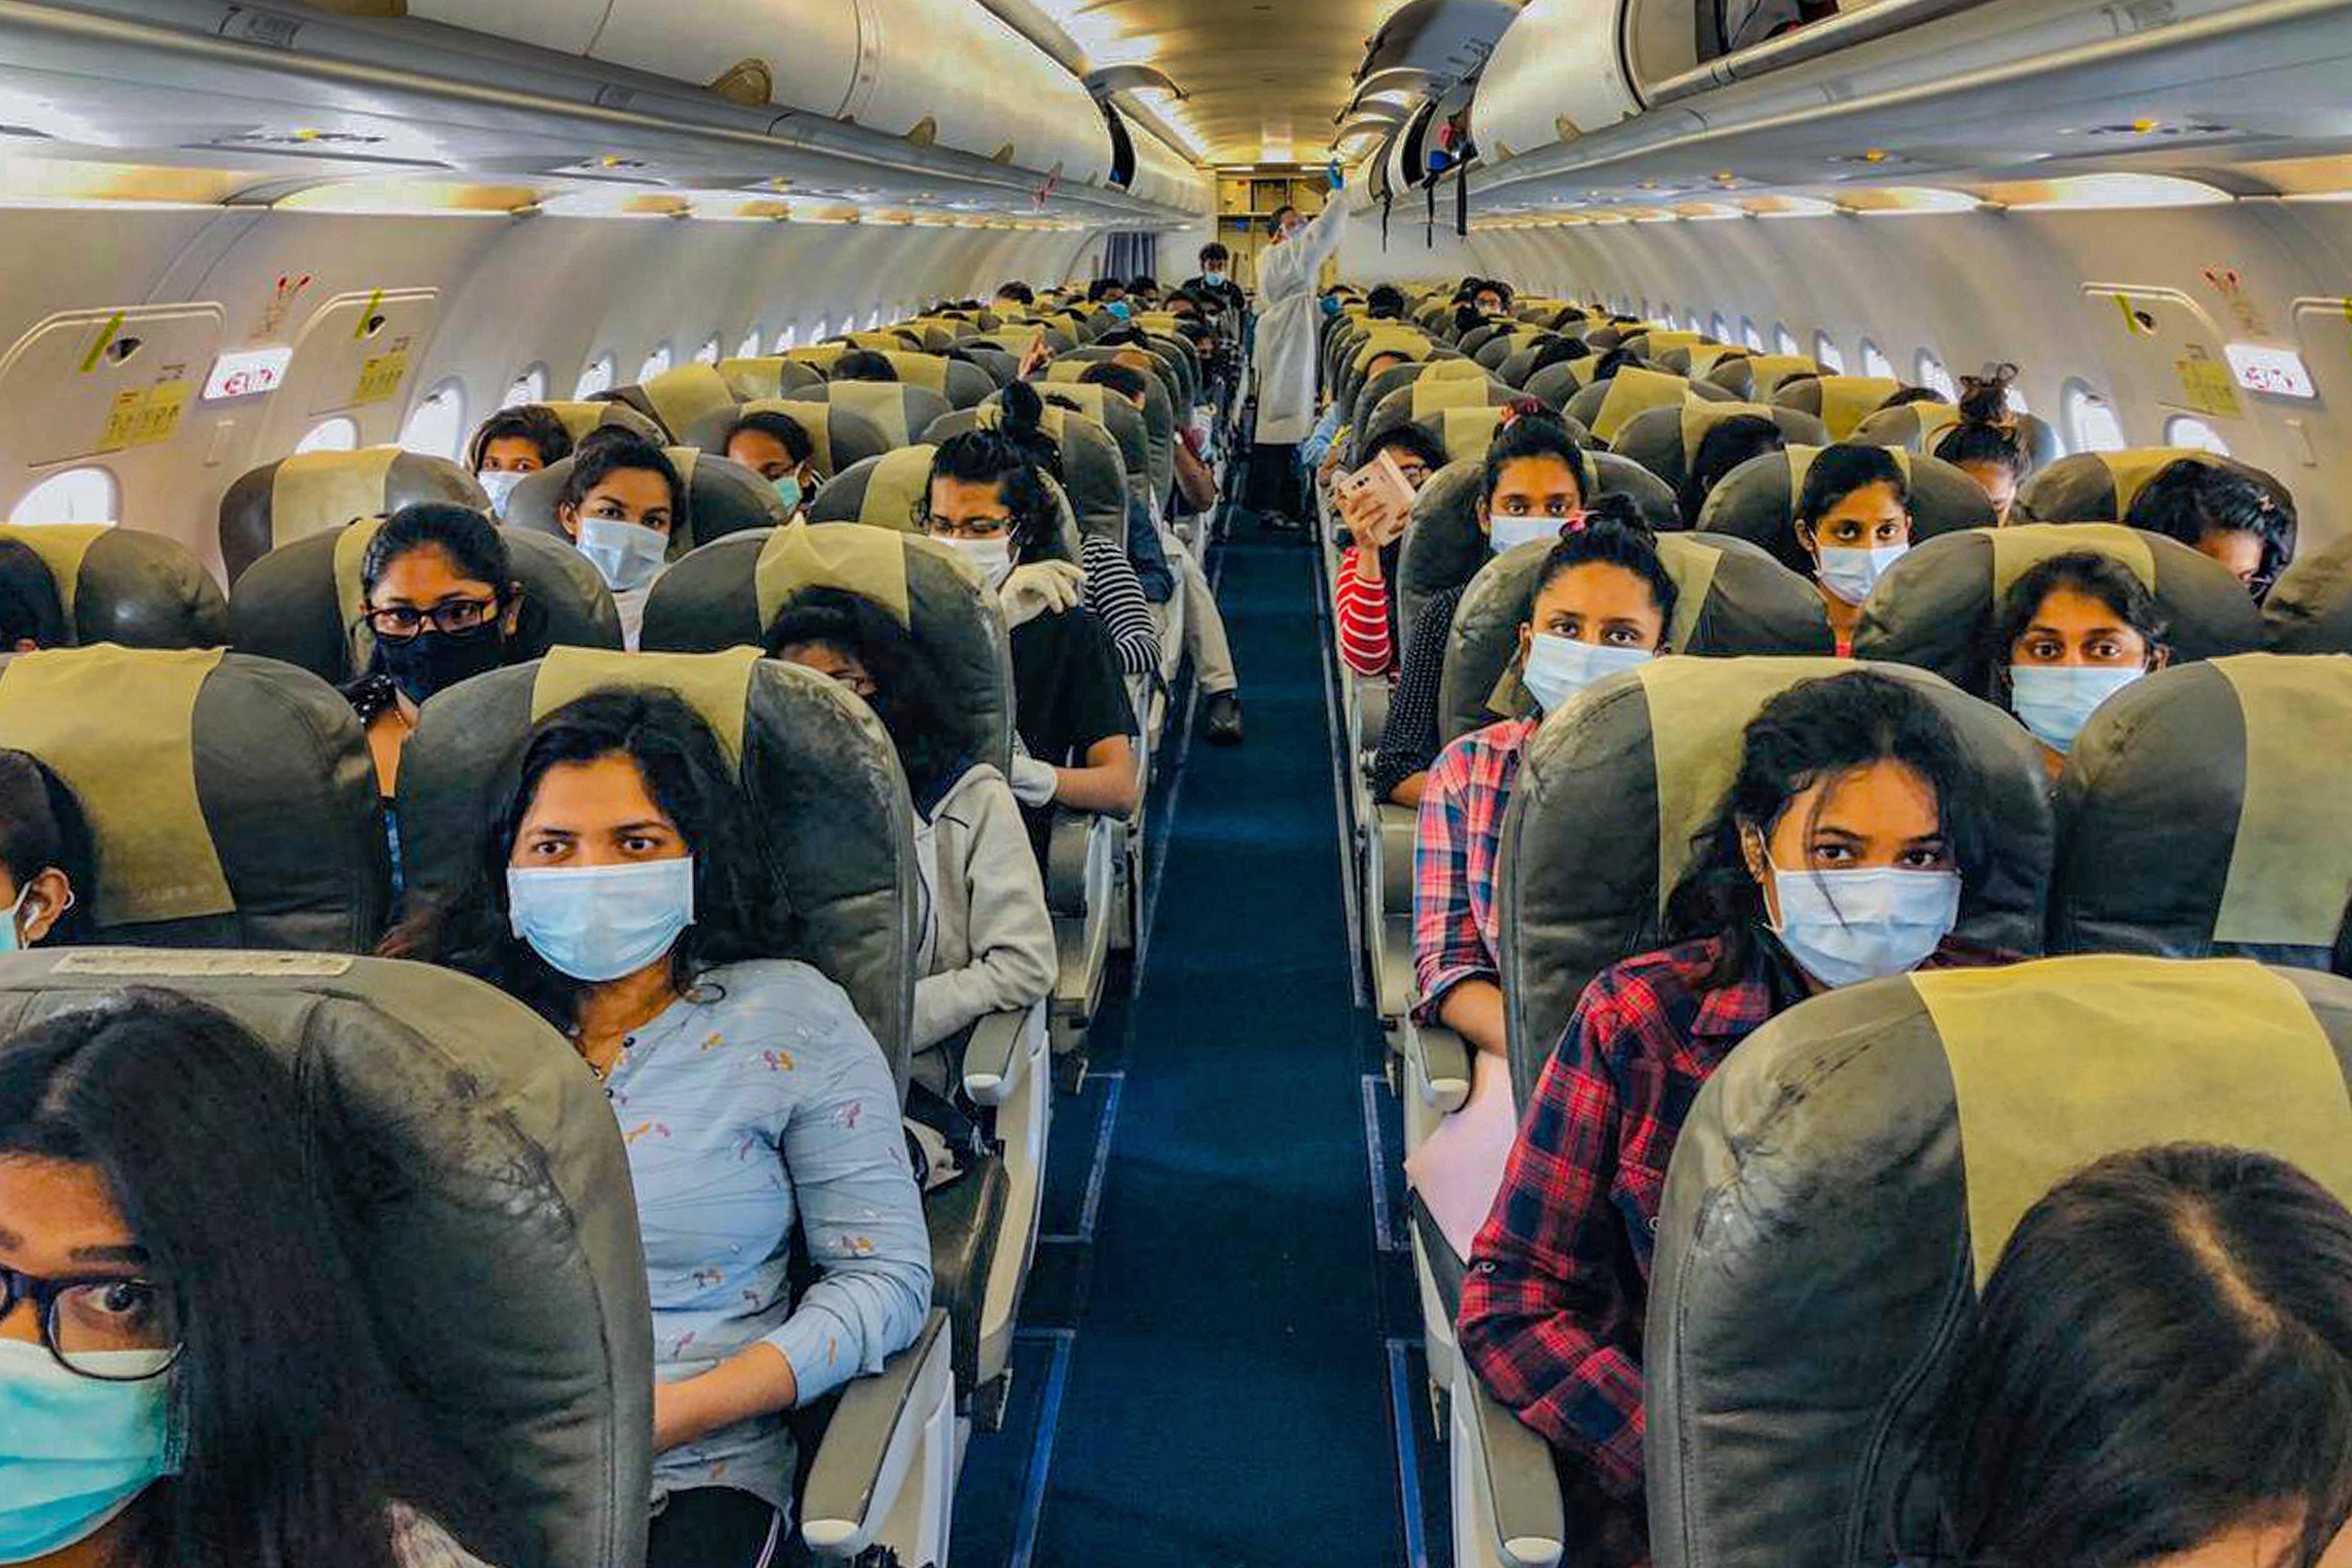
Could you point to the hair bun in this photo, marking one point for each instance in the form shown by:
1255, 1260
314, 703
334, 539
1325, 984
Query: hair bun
1024, 410
1617, 511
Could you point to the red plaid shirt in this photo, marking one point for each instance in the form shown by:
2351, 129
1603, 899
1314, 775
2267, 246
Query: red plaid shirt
1457, 849
1552, 1310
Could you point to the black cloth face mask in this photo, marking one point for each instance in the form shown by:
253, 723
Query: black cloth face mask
433, 660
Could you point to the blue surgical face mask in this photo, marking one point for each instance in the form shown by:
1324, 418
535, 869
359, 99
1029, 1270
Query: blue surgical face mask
2054, 702
627, 555
1558, 667
596, 923
500, 486
1331, 304
1848, 926
1122, 310
1851, 575
788, 490
1506, 534
11, 937
76, 1451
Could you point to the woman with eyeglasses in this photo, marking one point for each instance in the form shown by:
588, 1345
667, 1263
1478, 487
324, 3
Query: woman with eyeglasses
188, 1374
440, 602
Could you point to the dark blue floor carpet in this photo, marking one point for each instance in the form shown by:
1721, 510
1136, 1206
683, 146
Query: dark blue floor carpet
1219, 1364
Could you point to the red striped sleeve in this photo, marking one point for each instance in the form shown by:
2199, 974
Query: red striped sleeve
1364, 610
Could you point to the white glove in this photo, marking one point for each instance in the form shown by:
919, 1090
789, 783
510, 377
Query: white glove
1038, 589
1034, 782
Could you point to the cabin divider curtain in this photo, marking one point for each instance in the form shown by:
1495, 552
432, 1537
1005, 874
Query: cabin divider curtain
1128, 256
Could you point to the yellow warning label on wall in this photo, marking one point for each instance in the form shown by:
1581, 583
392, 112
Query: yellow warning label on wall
2208, 386
143, 416
381, 376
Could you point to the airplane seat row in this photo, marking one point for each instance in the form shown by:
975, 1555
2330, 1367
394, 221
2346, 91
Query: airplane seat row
477, 1156
94, 583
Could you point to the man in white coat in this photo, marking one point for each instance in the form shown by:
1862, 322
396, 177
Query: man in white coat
1288, 328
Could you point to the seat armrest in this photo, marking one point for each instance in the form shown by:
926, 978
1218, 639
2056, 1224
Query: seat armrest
870, 1444
995, 1054
1439, 1059
1511, 1468
1066, 863
1399, 826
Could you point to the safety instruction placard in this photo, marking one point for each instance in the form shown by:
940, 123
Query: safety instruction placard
143, 416
380, 376
2209, 386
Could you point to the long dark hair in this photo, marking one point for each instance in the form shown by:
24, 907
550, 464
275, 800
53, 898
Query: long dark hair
1720, 450
2164, 1353
1531, 430
2190, 497
739, 898
1611, 533
1818, 730
300, 1436
906, 684
2084, 572
30, 608
1018, 457
42, 827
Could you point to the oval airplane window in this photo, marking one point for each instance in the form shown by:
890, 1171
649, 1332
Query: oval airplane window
1874, 363
2017, 403
596, 379
1785, 341
789, 338
750, 347
2091, 422
1933, 374
874, 320
2187, 430
78, 495
822, 331
530, 386
1718, 329
656, 363
1832, 357
1749, 335
709, 352
336, 434
437, 425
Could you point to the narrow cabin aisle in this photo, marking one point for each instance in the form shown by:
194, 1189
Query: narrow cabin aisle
1213, 1370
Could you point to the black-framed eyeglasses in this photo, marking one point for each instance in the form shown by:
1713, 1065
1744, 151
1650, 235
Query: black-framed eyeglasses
399, 622
89, 1326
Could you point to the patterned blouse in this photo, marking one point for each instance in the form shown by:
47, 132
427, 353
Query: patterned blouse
758, 1105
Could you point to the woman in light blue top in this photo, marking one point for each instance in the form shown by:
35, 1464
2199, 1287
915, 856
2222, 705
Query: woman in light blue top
629, 896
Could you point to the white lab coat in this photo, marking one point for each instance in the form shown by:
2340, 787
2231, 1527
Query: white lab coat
1288, 326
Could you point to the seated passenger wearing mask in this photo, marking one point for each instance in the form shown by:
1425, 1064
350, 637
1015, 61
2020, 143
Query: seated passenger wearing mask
2159, 1376
514, 442
48, 861
2221, 514
1838, 856
1491, 297
1144, 293
1602, 603
1366, 609
1853, 521
32, 617
1536, 479
1151, 547
776, 447
864, 364
1720, 450
440, 601
2072, 632
1385, 302
1106, 583
619, 508
986, 943
188, 1376
625, 894
988, 496
1987, 444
